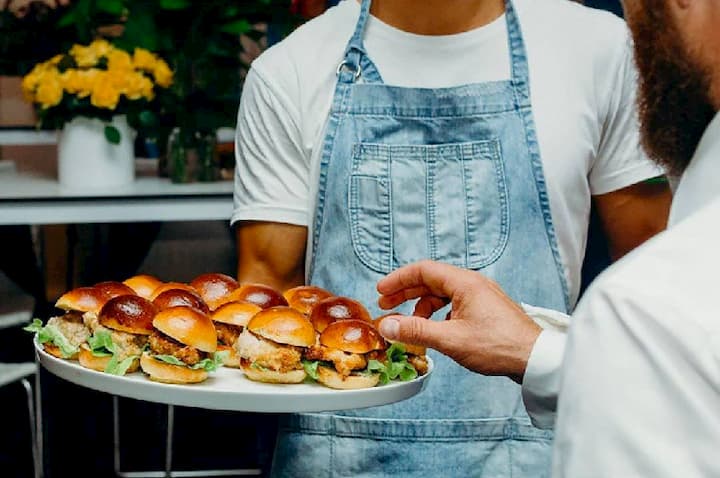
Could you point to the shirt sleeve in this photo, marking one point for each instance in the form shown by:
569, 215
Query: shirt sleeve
541, 382
272, 170
638, 393
620, 160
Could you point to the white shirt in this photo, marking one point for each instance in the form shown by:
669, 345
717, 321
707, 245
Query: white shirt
582, 84
640, 380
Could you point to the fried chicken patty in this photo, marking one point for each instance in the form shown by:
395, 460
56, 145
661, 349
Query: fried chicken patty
161, 344
268, 354
227, 333
420, 363
344, 362
72, 327
127, 344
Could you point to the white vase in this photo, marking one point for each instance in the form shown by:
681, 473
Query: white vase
86, 159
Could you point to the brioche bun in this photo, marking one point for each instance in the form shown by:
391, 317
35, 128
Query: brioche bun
331, 378
235, 313
214, 287
168, 373
82, 299
333, 309
143, 284
88, 360
54, 350
259, 294
188, 326
168, 286
409, 348
303, 298
283, 325
110, 289
354, 336
128, 313
271, 376
177, 297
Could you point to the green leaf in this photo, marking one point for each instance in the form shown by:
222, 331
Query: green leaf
395, 366
311, 368
112, 134
67, 19
213, 363
408, 373
101, 344
174, 4
172, 360
238, 27
113, 7
119, 368
34, 326
257, 366
147, 119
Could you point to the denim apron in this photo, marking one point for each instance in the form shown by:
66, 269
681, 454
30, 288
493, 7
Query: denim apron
451, 174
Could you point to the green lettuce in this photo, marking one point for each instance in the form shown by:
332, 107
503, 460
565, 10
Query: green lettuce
101, 344
395, 366
311, 367
209, 364
116, 367
50, 333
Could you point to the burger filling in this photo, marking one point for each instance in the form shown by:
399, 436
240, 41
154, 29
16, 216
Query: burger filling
166, 349
66, 332
344, 362
124, 344
227, 333
261, 353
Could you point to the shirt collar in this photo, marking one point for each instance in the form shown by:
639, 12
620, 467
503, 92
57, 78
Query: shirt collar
700, 183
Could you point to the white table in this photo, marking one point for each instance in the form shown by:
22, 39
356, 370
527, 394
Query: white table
34, 198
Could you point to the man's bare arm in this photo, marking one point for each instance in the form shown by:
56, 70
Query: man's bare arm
634, 214
271, 253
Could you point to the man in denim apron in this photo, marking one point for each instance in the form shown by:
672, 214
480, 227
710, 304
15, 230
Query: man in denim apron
452, 174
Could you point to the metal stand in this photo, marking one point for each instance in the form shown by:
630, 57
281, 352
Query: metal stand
168, 473
37, 464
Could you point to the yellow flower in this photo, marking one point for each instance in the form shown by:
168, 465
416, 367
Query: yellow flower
31, 80
138, 86
119, 60
100, 47
144, 60
163, 74
49, 90
85, 57
56, 59
104, 94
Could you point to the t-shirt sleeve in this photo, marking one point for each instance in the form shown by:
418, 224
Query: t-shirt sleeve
620, 160
272, 171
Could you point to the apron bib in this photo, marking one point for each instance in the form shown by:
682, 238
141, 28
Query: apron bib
450, 174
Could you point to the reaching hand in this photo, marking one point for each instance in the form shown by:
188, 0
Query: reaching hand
485, 331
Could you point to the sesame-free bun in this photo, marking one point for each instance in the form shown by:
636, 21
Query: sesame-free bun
354, 336
143, 284
272, 376
235, 313
88, 360
333, 309
331, 378
188, 326
168, 286
168, 373
82, 299
54, 350
110, 289
283, 325
259, 294
303, 298
178, 297
214, 287
128, 313
409, 348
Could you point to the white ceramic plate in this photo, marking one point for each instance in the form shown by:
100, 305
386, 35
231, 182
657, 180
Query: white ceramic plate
228, 389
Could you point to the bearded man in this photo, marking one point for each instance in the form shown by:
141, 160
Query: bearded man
638, 385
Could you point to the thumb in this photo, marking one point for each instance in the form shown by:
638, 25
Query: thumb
413, 330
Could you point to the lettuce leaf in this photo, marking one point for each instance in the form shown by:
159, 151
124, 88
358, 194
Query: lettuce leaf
101, 344
395, 366
116, 367
209, 364
52, 334
310, 367
257, 366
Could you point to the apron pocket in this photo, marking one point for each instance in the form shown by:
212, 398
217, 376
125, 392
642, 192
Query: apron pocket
445, 202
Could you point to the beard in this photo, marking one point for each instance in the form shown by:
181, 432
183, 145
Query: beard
674, 91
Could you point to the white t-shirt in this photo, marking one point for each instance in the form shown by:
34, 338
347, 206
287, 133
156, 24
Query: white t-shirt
582, 84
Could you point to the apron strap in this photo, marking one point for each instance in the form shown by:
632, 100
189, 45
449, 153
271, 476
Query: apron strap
518, 56
356, 62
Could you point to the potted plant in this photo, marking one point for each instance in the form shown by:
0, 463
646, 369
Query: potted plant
95, 94
201, 41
